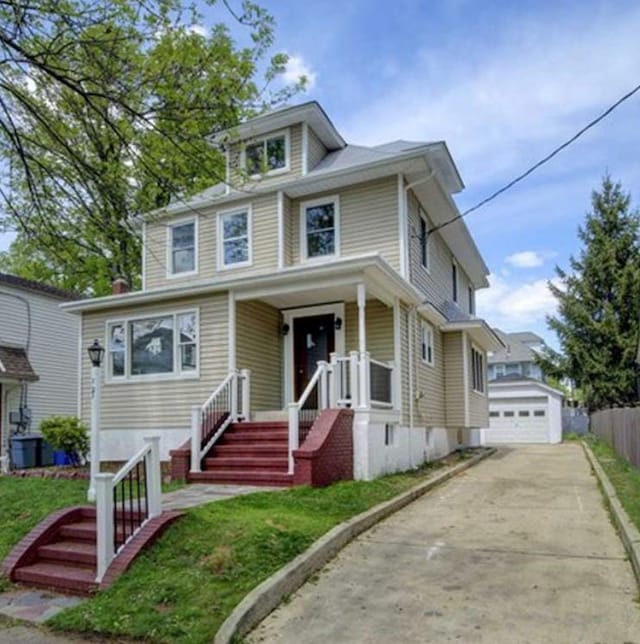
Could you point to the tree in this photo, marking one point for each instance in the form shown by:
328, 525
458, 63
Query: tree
599, 304
105, 111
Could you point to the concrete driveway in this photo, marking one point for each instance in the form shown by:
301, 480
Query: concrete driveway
517, 549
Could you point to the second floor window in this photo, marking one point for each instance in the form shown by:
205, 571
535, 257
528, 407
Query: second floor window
266, 155
454, 281
320, 222
183, 247
427, 344
472, 301
234, 235
424, 241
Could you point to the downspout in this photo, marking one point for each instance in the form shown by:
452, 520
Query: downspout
410, 316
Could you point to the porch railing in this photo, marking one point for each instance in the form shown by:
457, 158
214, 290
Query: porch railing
355, 380
125, 501
229, 403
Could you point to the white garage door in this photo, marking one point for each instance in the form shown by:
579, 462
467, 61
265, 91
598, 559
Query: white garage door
518, 420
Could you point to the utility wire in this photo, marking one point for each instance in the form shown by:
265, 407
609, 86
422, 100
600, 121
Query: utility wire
540, 163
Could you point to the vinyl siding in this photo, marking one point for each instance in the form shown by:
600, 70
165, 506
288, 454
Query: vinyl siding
295, 161
259, 348
436, 282
315, 150
264, 238
454, 356
430, 382
379, 329
160, 404
53, 353
368, 220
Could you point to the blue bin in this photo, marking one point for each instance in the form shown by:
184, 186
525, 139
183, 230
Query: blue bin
24, 451
60, 457
45, 453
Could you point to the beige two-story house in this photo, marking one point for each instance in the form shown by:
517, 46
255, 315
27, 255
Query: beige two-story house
309, 279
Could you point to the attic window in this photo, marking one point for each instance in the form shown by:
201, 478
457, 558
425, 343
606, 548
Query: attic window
268, 155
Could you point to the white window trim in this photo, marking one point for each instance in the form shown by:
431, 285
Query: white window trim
180, 222
221, 266
262, 139
329, 199
177, 374
471, 294
423, 218
426, 326
477, 349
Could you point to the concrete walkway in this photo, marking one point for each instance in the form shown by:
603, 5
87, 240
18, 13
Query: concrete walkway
517, 549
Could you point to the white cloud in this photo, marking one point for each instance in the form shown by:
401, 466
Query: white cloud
502, 107
525, 259
297, 67
201, 30
516, 306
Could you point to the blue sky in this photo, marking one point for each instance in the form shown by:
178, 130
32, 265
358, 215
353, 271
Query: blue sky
503, 83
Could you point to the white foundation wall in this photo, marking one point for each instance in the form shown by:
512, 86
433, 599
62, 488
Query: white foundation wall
408, 449
122, 444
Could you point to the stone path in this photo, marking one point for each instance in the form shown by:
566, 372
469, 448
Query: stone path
38, 606
518, 549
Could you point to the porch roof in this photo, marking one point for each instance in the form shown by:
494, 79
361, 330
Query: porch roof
372, 269
15, 365
478, 330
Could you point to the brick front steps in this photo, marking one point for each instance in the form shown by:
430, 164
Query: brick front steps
249, 453
60, 553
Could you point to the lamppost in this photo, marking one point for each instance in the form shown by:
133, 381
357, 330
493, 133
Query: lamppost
95, 355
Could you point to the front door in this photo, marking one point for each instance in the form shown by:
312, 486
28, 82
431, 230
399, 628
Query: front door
313, 340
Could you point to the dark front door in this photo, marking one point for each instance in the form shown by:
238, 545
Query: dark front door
313, 340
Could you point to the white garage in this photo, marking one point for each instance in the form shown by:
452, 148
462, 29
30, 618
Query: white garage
523, 411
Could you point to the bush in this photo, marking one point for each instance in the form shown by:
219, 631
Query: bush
69, 434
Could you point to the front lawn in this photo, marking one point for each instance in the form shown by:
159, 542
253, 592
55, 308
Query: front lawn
183, 588
624, 477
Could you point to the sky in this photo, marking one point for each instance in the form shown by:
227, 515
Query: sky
503, 83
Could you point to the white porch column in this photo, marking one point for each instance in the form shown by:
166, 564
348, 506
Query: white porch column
154, 476
363, 372
232, 331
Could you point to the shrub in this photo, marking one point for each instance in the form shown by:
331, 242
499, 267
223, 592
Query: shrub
69, 434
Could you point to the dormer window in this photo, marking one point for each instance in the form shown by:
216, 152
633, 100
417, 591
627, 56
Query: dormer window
267, 155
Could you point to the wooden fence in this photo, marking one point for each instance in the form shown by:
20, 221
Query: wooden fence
621, 429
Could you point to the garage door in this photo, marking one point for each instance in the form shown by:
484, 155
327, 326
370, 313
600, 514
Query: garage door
518, 420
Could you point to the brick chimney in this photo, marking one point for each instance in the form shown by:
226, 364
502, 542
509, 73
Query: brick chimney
120, 286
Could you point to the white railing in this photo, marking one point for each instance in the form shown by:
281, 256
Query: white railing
227, 404
125, 501
355, 381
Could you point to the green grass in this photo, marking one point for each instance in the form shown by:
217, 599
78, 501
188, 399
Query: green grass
183, 588
624, 477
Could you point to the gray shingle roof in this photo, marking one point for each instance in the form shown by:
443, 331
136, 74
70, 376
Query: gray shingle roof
518, 347
37, 287
15, 365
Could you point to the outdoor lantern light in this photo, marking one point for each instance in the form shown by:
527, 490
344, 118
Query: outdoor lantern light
95, 353
337, 323
285, 329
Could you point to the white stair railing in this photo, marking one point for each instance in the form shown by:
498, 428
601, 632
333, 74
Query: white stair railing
227, 404
125, 501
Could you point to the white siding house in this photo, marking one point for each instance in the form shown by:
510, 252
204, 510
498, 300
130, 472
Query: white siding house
39, 343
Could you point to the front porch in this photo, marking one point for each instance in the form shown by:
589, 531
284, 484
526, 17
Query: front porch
294, 354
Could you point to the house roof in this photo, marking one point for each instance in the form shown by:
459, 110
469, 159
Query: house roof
15, 365
498, 387
37, 287
519, 347
310, 112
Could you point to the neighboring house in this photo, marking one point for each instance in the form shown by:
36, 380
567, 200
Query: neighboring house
312, 250
38, 356
522, 407
517, 357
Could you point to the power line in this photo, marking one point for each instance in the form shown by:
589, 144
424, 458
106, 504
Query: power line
540, 163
